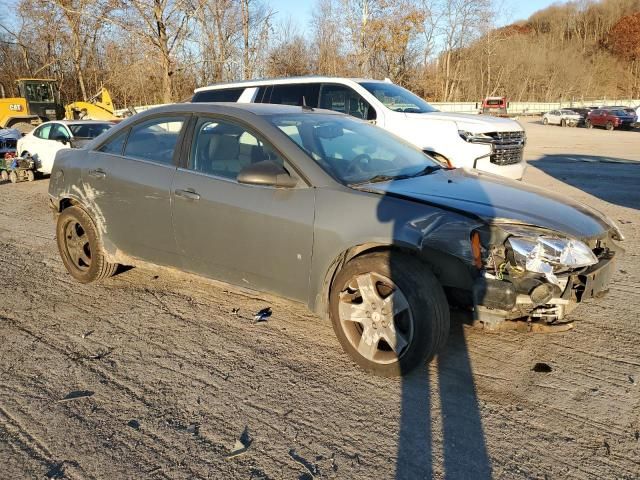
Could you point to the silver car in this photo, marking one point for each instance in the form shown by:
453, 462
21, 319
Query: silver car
563, 117
331, 211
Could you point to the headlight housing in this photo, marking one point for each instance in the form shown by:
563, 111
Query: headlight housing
475, 137
549, 254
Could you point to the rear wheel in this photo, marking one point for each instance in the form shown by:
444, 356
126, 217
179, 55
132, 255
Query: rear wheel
389, 313
13, 177
588, 124
80, 246
4, 176
30, 176
563, 123
609, 126
545, 121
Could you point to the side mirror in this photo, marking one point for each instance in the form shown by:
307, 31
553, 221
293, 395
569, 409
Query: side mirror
266, 174
61, 138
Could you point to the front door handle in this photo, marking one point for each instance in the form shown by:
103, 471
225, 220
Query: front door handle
188, 194
97, 173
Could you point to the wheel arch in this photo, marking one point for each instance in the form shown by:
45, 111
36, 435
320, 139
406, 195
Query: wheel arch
448, 269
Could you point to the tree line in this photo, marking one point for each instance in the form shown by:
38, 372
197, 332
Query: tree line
158, 51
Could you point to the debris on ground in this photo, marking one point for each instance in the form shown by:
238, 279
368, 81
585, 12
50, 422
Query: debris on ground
241, 445
86, 334
235, 311
56, 470
541, 367
135, 424
76, 394
193, 429
263, 315
311, 467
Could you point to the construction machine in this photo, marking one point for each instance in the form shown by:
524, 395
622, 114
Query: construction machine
38, 101
99, 107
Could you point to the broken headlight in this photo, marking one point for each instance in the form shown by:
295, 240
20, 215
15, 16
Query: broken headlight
549, 254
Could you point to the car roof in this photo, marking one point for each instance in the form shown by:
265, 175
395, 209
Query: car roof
260, 109
284, 81
78, 122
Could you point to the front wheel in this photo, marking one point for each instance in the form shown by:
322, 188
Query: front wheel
588, 124
30, 175
609, 126
13, 176
80, 246
563, 123
389, 312
545, 121
4, 176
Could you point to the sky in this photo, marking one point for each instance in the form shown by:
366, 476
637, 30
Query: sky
300, 10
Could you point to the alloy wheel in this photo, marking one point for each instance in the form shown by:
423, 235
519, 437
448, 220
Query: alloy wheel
76, 242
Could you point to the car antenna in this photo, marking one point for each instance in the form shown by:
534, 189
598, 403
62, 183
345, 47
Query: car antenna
305, 106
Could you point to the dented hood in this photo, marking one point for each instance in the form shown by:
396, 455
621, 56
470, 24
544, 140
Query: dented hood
498, 200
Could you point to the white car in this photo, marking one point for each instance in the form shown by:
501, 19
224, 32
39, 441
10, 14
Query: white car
563, 117
45, 141
490, 144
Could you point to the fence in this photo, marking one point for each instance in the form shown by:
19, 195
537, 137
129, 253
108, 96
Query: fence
532, 108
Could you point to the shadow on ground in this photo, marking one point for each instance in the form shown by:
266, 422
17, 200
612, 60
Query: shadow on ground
614, 180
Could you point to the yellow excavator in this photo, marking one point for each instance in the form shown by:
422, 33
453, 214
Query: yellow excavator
38, 101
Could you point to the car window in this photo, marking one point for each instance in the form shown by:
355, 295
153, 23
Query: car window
221, 95
89, 130
353, 151
223, 149
43, 131
294, 94
399, 99
115, 144
154, 140
58, 131
343, 99
264, 94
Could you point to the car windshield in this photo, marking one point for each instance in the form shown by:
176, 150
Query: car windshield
89, 130
353, 151
569, 112
397, 98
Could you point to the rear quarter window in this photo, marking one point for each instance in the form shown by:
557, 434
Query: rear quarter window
219, 95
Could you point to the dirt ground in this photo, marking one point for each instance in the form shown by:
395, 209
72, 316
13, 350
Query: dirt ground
157, 375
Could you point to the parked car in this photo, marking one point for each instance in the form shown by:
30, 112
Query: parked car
329, 210
487, 143
563, 117
610, 119
49, 138
583, 112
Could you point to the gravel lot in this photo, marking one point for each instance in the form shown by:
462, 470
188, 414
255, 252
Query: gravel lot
167, 375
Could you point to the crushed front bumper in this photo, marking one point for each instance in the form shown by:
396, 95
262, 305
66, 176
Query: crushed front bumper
496, 300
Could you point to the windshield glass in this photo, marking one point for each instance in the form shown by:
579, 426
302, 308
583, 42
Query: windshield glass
89, 130
397, 98
354, 151
40, 92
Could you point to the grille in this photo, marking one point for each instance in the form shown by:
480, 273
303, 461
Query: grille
507, 147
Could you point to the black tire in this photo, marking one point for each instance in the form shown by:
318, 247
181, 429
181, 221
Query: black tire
588, 124
80, 246
545, 121
4, 176
563, 123
609, 126
22, 127
30, 176
427, 312
13, 176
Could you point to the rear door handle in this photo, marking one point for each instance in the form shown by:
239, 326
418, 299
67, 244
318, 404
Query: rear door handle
97, 173
188, 194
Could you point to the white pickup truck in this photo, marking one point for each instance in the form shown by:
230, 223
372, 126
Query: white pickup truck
487, 143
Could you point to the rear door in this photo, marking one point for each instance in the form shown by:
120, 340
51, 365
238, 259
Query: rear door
128, 180
256, 236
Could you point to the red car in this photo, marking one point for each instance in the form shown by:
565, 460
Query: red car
610, 119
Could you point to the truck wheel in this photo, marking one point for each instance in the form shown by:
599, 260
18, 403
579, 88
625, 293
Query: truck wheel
22, 127
545, 121
609, 126
81, 248
4, 176
389, 313
563, 123
30, 176
13, 177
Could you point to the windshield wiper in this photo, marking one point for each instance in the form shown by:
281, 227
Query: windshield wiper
426, 171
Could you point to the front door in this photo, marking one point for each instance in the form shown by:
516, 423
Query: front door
128, 183
255, 236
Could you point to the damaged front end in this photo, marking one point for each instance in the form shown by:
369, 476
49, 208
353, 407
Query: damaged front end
526, 272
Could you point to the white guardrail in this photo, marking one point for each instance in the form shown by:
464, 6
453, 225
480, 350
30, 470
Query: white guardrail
533, 108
